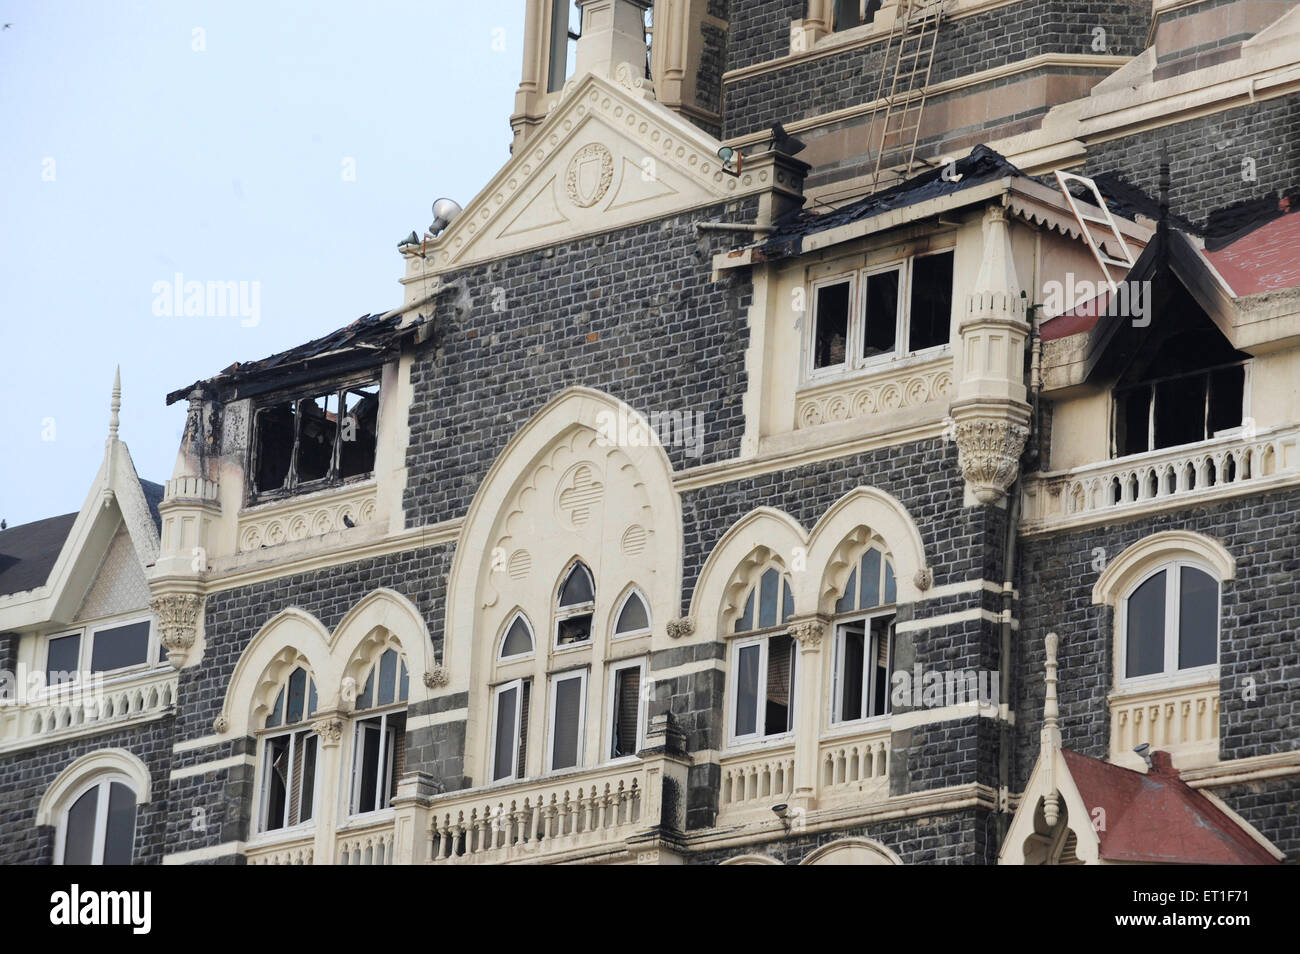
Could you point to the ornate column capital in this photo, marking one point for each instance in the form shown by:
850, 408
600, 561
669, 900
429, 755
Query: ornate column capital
988, 452
329, 728
178, 618
809, 632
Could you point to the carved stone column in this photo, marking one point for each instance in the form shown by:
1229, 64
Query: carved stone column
328, 727
178, 623
810, 632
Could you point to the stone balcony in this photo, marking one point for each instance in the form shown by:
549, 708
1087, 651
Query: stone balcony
60, 713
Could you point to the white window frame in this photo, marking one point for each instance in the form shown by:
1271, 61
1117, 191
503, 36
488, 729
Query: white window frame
1170, 674
757, 737
568, 612
552, 692
513, 774
505, 631
837, 664
263, 780
104, 783
383, 780
618, 611
856, 278
614, 669
85, 651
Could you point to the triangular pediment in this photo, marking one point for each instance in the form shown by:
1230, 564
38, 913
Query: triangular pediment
607, 156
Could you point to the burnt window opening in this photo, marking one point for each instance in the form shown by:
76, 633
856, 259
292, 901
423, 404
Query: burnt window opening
930, 317
310, 441
832, 325
854, 13
1183, 409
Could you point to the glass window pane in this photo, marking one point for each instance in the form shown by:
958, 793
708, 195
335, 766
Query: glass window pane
276, 716
1198, 618
403, 684
787, 606
366, 765
767, 599
832, 334
119, 838
1146, 628
367, 698
870, 595
848, 601
747, 690
318, 422
881, 318
568, 716
275, 771
931, 307
891, 586
633, 616
387, 677
307, 776
627, 710
780, 685
518, 640
63, 661
746, 621
274, 446
850, 674
79, 830
120, 647
577, 589
504, 746
297, 700
360, 432
311, 697
881, 633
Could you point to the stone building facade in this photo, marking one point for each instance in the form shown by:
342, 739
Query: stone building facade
744, 499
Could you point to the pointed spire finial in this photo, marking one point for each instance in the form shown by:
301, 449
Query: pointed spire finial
116, 404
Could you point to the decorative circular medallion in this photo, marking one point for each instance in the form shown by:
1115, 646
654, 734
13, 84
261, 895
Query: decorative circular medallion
590, 173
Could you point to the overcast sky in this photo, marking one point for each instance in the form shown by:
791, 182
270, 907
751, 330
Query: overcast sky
285, 144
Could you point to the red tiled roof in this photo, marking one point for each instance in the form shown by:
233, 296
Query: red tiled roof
1080, 318
1267, 259
1157, 818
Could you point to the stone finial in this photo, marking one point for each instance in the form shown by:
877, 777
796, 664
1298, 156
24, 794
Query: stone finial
1051, 736
115, 405
178, 617
681, 628
437, 678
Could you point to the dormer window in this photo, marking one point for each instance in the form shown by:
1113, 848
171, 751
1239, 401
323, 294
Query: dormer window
315, 440
880, 313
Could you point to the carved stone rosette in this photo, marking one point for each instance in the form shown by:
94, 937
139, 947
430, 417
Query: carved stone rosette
437, 678
330, 730
808, 632
988, 452
178, 617
681, 628
923, 578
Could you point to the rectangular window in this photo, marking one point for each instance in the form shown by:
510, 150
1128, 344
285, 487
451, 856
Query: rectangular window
288, 779
930, 307
120, 647
763, 688
852, 13
626, 712
509, 731
63, 659
1184, 409
379, 754
862, 668
568, 710
315, 440
880, 313
832, 320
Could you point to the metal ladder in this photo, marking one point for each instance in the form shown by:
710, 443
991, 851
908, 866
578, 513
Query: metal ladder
1098, 245
910, 51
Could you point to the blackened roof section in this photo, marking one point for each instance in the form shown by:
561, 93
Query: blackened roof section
153, 496
981, 166
368, 341
29, 552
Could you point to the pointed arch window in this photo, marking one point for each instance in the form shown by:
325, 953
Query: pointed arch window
379, 740
763, 662
518, 640
864, 640
99, 826
576, 606
289, 755
633, 617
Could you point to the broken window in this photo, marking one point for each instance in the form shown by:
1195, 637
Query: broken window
880, 313
852, 13
289, 758
577, 604
510, 730
763, 666
315, 440
633, 616
832, 320
568, 711
930, 311
1171, 622
1180, 409
864, 643
99, 826
627, 726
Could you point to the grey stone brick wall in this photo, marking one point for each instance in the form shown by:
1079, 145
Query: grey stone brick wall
1272, 806
759, 30
965, 837
1258, 637
1206, 157
439, 749
631, 312
29, 773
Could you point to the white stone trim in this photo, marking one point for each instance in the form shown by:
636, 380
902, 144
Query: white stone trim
206, 768
114, 761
